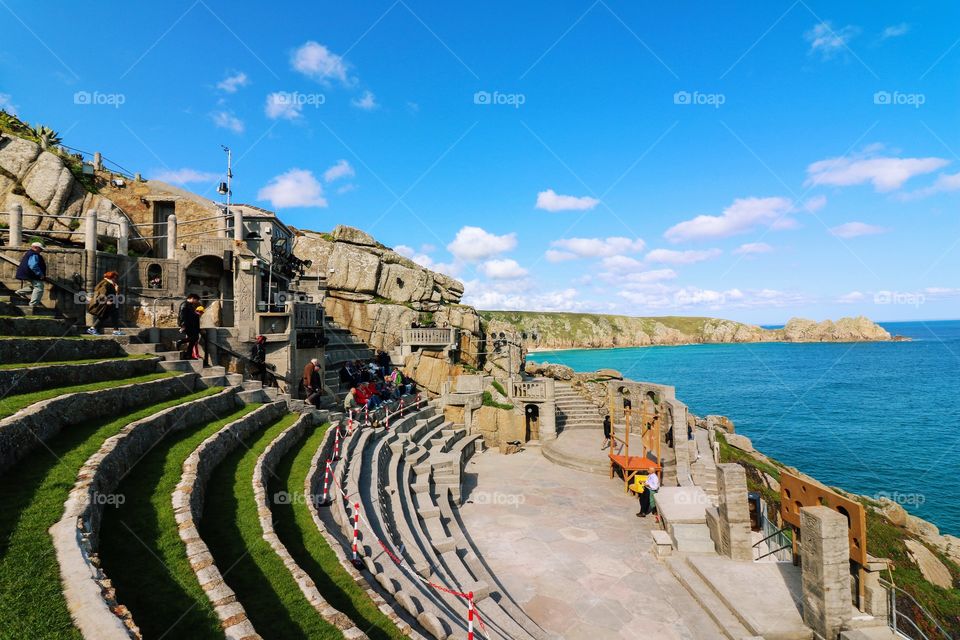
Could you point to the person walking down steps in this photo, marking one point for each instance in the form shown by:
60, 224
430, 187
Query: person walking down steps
104, 306
33, 269
606, 433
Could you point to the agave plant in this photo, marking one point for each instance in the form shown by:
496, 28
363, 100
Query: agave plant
46, 136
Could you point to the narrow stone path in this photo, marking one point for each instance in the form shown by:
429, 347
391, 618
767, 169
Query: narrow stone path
568, 547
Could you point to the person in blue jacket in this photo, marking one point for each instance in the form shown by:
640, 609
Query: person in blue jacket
33, 269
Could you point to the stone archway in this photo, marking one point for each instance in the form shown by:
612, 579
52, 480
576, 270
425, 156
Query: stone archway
207, 277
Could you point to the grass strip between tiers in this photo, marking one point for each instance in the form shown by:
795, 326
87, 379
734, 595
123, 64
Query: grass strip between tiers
141, 549
295, 526
32, 495
13, 403
231, 528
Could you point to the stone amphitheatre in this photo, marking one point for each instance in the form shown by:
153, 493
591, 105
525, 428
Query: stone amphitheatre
147, 495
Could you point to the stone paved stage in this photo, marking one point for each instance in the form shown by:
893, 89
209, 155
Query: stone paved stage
568, 548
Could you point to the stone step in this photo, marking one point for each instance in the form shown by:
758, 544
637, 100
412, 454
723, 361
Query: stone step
254, 395
692, 538
553, 454
141, 347
729, 624
182, 365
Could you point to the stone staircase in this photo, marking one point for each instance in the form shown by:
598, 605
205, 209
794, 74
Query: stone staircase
342, 347
574, 411
704, 468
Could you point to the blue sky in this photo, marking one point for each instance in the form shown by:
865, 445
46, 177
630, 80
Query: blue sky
754, 161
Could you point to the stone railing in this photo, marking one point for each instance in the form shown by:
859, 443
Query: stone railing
535, 390
429, 337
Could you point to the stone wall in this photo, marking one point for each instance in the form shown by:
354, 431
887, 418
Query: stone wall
38, 423
188, 500
37, 378
48, 349
88, 592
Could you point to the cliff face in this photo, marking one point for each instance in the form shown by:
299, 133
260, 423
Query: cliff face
589, 331
43, 184
377, 293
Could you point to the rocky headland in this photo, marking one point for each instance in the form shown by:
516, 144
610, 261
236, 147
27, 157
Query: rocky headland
596, 331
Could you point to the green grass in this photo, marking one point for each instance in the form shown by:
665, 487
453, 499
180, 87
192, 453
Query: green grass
488, 401
884, 540
499, 387
30, 365
231, 528
298, 532
31, 501
13, 403
141, 550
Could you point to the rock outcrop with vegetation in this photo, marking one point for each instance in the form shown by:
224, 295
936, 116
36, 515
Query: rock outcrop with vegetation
594, 331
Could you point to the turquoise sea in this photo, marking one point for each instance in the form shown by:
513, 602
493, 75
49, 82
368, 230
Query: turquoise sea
873, 418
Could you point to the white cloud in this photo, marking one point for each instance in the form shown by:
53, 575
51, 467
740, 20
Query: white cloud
550, 200
295, 188
226, 120
827, 41
741, 216
233, 82
316, 61
6, 104
641, 279
814, 204
503, 269
689, 297
855, 229
852, 297
669, 256
420, 258
945, 182
598, 247
340, 170
495, 297
185, 176
895, 31
554, 255
886, 173
752, 248
473, 243
622, 264
367, 102
280, 105
347, 188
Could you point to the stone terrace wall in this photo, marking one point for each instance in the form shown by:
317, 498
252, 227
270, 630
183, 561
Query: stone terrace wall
89, 595
53, 376
264, 469
188, 500
26, 429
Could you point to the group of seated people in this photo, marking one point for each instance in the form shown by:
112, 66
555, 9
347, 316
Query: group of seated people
372, 393
358, 372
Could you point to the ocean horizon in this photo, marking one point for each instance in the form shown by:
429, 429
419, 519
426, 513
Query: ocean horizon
875, 418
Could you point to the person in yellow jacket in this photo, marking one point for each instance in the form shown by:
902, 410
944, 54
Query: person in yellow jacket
648, 488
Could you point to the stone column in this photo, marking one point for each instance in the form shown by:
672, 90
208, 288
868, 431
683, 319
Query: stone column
238, 225
734, 512
90, 254
16, 226
825, 560
681, 450
123, 238
97, 161
172, 236
548, 412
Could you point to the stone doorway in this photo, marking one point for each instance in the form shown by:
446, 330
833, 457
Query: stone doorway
532, 422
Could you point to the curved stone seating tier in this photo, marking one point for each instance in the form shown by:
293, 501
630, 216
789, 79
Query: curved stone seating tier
188, 500
313, 487
40, 376
75, 535
448, 513
394, 475
419, 600
55, 349
265, 466
36, 424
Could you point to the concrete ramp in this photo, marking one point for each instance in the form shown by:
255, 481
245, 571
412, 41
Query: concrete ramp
765, 597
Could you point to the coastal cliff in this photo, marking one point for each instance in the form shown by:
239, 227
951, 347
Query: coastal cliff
596, 331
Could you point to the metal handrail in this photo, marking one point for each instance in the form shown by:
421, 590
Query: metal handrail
895, 618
